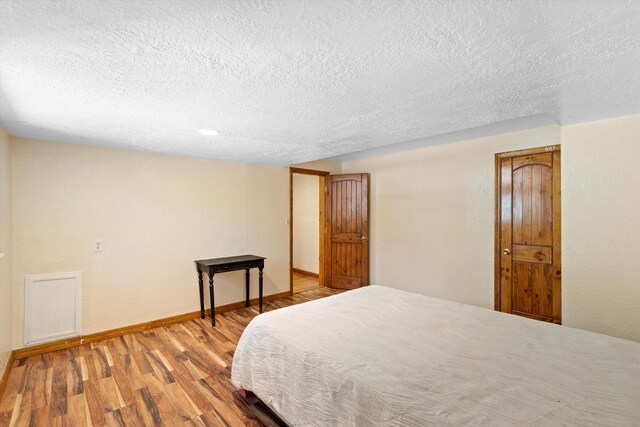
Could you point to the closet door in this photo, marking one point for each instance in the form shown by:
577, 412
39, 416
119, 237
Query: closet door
528, 252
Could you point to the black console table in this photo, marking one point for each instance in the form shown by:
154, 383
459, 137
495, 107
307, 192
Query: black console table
220, 265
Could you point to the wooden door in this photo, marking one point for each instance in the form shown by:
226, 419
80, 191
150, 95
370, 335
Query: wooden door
347, 231
528, 252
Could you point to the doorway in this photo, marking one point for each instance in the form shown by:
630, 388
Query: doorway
528, 275
306, 229
343, 231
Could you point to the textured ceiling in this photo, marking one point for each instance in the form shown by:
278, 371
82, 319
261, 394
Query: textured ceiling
285, 82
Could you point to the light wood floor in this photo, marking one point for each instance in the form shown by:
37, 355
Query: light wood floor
178, 374
303, 283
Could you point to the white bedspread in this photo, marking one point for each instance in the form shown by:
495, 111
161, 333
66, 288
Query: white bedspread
381, 356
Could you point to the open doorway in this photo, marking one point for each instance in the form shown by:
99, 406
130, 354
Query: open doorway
307, 229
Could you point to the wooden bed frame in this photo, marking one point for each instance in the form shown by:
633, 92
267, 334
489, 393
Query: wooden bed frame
257, 408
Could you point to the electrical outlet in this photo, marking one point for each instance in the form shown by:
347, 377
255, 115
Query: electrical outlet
97, 245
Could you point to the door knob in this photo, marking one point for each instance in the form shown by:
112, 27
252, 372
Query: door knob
363, 238
506, 251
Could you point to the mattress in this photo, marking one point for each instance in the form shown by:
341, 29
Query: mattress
382, 356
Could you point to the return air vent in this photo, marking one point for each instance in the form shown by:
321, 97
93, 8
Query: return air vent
53, 307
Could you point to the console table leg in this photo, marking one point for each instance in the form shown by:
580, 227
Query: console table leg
200, 285
260, 287
213, 302
248, 280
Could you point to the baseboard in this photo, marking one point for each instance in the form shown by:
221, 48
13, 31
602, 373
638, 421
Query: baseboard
305, 273
112, 333
5, 373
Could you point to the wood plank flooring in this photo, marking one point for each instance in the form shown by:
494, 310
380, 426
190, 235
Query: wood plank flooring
302, 282
178, 374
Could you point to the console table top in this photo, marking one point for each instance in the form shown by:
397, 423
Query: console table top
228, 260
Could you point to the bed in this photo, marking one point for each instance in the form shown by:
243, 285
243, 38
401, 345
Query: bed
382, 356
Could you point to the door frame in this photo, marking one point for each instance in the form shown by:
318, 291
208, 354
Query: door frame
497, 219
321, 226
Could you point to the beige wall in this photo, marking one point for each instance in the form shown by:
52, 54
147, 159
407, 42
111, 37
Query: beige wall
6, 320
432, 220
306, 222
330, 166
432, 212
156, 215
601, 226
431, 224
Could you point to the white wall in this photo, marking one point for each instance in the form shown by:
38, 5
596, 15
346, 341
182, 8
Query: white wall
432, 215
601, 226
306, 222
6, 320
156, 214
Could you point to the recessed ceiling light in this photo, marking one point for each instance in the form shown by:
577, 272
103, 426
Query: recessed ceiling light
210, 132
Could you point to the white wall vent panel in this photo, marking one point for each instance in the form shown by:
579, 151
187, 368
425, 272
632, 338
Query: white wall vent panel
53, 307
